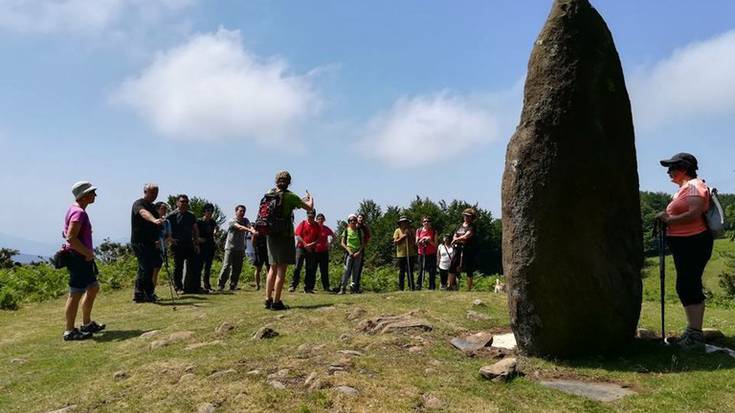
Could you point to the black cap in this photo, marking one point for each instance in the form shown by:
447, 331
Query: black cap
681, 159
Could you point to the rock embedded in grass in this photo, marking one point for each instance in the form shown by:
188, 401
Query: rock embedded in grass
390, 324
186, 378
478, 303
219, 374
431, 402
18, 361
350, 353
264, 332
504, 370
277, 385
475, 316
224, 328
119, 375
149, 334
350, 391
602, 392
206, 408
355, 313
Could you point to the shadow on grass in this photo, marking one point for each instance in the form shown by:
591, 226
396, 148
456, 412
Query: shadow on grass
646, 356
117, 335
310, 306
178, 302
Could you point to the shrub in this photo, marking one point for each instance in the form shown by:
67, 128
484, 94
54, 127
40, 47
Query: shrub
727, 283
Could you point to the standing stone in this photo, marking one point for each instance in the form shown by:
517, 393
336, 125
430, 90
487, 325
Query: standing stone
572, 237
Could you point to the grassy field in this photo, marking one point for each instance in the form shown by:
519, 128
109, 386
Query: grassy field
39, 372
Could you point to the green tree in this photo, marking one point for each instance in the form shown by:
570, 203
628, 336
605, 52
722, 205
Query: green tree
6, 257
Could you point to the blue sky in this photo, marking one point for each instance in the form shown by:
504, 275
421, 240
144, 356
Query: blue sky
381, 100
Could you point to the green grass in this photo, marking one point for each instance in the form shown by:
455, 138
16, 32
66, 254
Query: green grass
388, 376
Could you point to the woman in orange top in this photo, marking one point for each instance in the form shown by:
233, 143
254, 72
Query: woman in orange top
690, 242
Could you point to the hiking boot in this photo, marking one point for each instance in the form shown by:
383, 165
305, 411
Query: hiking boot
291, 289
76, 335
92, 327
691, 340
309, 292
234, 288
268, 303
139, 298
342, 291
278, 306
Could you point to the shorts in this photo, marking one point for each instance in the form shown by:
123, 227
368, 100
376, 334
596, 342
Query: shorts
82, 274
281, 249
260, 255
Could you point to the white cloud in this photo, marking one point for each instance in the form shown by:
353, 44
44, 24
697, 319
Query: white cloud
695, 81
82, 16
422, 130
211, 88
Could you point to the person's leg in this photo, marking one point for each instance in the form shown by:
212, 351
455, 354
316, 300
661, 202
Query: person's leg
88, 303
139, 290
349, 261
469, 281
310, 277
207, 257
226, 270
270, 282
409, 272
155, 276
300, 258
422, 268
258, 269
443, 275
357, 273
152, 258
430, 263
323, 262
280, 278
238, 257
70, 309
192, 274
179, 257
452, 280
401, 272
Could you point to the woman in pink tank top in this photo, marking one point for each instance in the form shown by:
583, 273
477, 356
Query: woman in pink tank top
689, 241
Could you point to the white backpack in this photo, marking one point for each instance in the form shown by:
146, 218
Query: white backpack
714, 216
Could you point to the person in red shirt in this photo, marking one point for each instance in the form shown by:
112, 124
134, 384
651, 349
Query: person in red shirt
322, 251
307, 236
427, 246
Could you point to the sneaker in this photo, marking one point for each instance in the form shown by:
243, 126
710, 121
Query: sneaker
691, 340
291, 289
139, 299
92, 327
76, 335
220, 289
151, 298
278, 306
234, 288
268, 303
342, 291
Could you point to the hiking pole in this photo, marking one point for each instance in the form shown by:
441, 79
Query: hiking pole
659, 229
170, 279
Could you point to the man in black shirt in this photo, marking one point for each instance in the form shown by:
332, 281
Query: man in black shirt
145, 228
207, 227
184, 237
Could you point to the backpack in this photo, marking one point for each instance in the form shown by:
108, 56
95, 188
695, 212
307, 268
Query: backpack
714, 216
270, 219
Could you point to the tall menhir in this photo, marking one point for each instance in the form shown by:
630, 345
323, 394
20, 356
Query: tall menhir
572, 237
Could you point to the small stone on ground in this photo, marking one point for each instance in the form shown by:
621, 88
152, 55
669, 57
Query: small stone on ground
478, 303
350, 353
265, 332
149, 334
219, 374
350, 391
504, 370
66, 409
119, 375
431, 402
603, 392
277, 385
206, 408
224, 328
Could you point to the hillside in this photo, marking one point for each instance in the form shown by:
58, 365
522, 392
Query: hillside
122, 371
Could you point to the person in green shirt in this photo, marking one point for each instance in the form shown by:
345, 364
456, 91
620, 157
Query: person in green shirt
353, 242
281, 250
405, 241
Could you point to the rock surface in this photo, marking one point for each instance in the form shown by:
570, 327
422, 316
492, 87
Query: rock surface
350, 391
504, 370
206, 408
572, 236
475, 316
603, 392
66, 409
225, 327
431, 402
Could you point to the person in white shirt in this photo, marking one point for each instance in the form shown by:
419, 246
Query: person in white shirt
444, 260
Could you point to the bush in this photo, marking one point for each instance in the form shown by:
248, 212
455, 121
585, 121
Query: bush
727, 283
8, 299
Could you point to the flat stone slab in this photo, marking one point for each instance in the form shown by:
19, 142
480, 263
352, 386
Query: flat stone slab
505, 341
473, 342
709, 348
391, 324
603, 392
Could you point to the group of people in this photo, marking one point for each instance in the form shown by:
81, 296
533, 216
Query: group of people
154, 229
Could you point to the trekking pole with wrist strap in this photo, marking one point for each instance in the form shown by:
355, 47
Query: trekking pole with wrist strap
659, 230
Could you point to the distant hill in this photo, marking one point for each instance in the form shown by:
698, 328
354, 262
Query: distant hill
28, 258
28, 247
